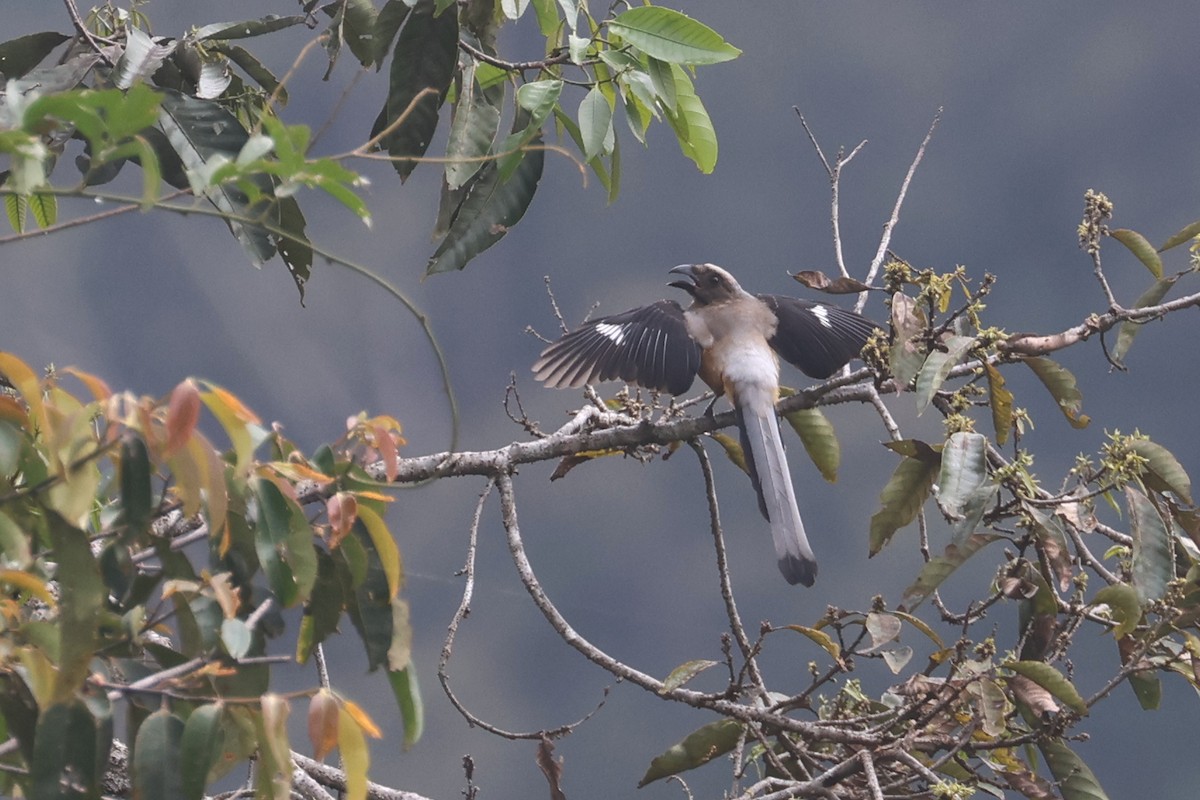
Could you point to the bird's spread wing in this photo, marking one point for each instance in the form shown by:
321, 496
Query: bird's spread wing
816, 338
648, 346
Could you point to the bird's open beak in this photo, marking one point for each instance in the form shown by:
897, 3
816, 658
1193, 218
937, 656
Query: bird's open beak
689, 271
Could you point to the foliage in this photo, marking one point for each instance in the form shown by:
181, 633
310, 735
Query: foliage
201, 113
143, 566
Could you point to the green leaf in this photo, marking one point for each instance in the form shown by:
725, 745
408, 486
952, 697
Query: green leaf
595, 124
937, 368
323, 610
137, 494
358, 29
140, 59
1124, 605
66, 744
18, 56
963, 471
1163, 472
80, 598
1153, 566
247, 28
671, 36
901, 499
1128, 330
283, 541
201, 744
1052, 681
44, 208
16, 208
513, 9
1188, 233
819, 439
1075, 780
1140, 247
488, 210
698, 747
476, 120
368, 603
205, 136
156, 756
539, 98
685, 672
941, 567
691, 123
408, 699
662, 79
424, 58
387, 23
236, 637
1059, 381
258, 72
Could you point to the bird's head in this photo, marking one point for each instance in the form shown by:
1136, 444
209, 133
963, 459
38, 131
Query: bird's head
707, 283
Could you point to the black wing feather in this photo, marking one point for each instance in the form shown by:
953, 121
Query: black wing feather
648, 346
816, 338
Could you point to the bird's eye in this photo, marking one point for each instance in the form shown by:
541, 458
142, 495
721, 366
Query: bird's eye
714, 280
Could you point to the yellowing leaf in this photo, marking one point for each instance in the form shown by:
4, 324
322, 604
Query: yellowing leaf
30, 584
362, 719
356, 758
385, 545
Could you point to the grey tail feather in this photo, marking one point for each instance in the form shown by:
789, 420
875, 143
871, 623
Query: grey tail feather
767, 465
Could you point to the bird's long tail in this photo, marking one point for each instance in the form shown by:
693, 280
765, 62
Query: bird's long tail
769, 473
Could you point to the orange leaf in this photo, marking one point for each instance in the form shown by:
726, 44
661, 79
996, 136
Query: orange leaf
183, 412
24, 380
342, 509
95, 385
233, 404
323, 723
362, 720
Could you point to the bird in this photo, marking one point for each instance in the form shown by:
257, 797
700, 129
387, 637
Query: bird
733, 340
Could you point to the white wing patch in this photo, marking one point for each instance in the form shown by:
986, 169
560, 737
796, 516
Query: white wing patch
614, 333
822, 315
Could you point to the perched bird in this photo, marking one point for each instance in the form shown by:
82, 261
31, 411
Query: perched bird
732, 340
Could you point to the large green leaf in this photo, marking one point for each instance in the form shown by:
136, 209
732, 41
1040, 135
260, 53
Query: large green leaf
1163, 472
819, 439
1153, 567
473, 128
80, 599
156, 757
408, 699
66, 744
941, 567
671, 36
595, 124
205, 136
1129, 330
1189, 232
284, 540
1062, 386
901, 499
200, 745
1076, 781
1140, 247
424, 58
1052, 681
698, 747
489, 208
18, 56
691, 123
246, 29
937, 368
963, 471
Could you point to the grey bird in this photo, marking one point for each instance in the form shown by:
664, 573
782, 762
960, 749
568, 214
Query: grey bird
733, 340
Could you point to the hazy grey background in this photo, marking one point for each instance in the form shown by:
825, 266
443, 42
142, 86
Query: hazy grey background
1042, 101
